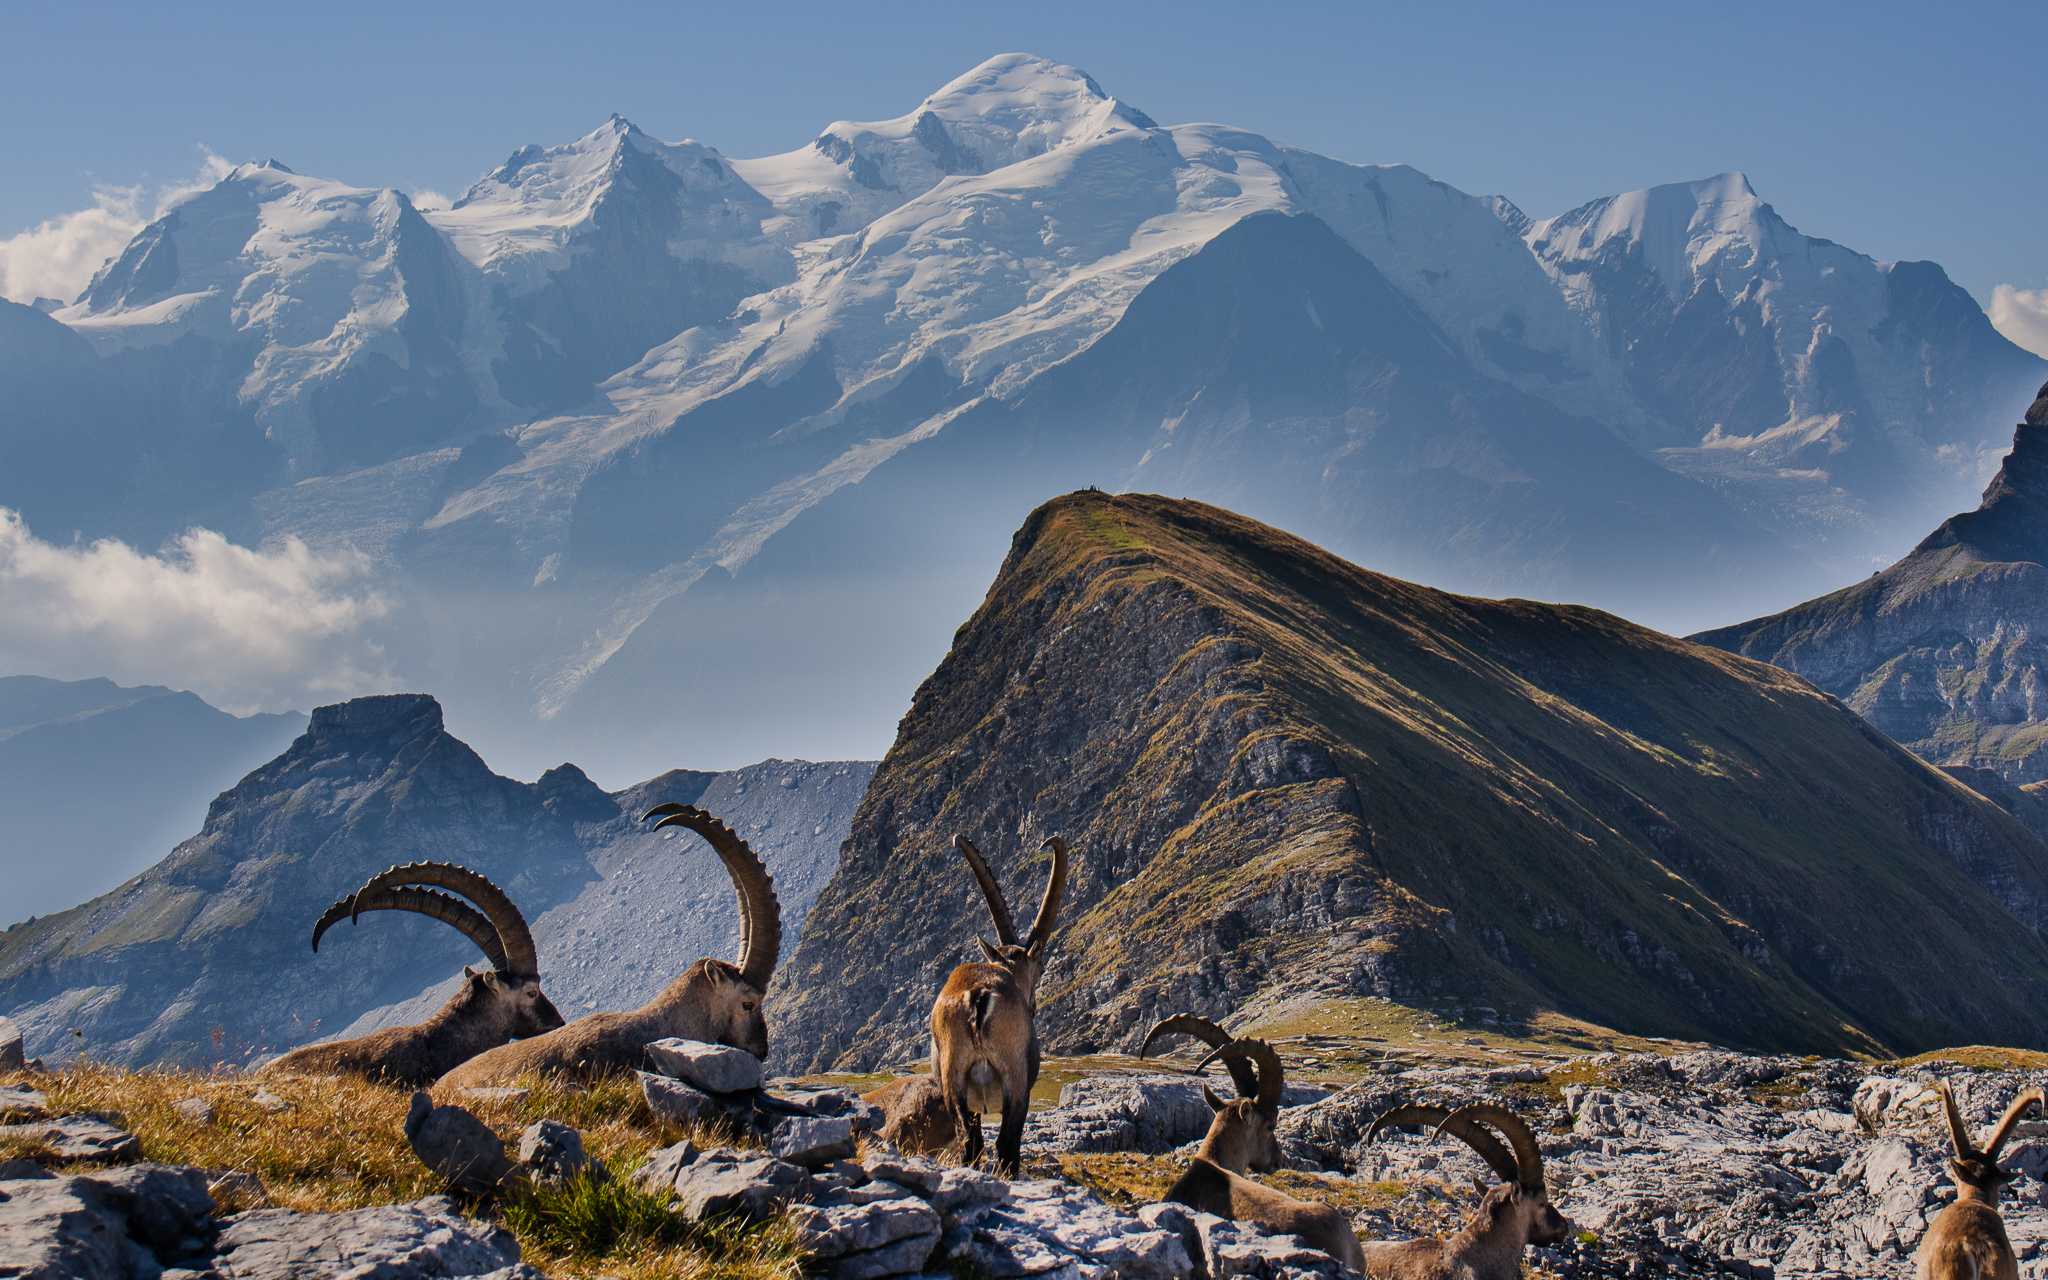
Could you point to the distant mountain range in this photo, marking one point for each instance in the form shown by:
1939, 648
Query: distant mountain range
1288, 781
1947, 650
634, 425
96, 781
204, 956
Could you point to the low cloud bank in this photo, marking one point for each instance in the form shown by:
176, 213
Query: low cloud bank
2022, 316
57, 258
248, 630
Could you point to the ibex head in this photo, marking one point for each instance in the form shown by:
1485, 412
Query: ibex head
1974, 1169
731, 994
511, 986
1521, 1205
1024, 959
1243, 1134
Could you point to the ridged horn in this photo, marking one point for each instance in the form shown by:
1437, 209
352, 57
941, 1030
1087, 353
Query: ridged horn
1006, 928
1528, 1162
1442, 1120
1242, 1073
1958, 1132
1272, 1076
1055, 888
760, 912
513, 936
474, 924
2027, 1098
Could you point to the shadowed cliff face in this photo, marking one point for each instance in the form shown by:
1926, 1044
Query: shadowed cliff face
1283, 776
1944, 650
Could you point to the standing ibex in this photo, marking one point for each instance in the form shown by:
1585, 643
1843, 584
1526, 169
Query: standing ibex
984, 1023
489, 1007
1510, 1216
1241, 1139
712, 1000
1968, 1238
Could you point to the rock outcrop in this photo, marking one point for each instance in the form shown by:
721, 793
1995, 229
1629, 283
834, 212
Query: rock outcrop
1947, 649
1283, 776
204, 957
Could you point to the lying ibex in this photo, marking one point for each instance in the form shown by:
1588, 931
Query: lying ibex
489, 1008
1241, 1139
1968, 1238
984, 1023
712, 1000
1512, 1215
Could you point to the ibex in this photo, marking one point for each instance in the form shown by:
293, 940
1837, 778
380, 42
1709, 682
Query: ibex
984, 1023
1241, 1139
1968, 1239
489, 1008
1511, 1215
712, 1000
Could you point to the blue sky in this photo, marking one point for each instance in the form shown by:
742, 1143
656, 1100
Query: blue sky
1901, 131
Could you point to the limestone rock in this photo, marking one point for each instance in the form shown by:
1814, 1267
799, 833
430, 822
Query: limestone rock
11, 1056
714, 1068
428, 1238
658, 1174
194, 1110
723, 1182
113, 1223
680, 1103
456, 1145
265, 1100
921, 1175
19, 1103
813, 1144
79, 1137
860, 1228
552, 1152
237, 1189
510, 1095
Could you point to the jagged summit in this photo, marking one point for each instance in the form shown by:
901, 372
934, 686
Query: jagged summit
2012, 523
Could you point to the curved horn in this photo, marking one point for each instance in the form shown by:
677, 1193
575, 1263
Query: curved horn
1528, 1161
1958, 1132
1441, 1120
1055, 888
1272, 1076
1242, 1073
1006, 928
760, 912
474, 924
513, 935
2027, 1097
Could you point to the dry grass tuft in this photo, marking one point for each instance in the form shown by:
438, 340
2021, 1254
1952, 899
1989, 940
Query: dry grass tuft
341, 1145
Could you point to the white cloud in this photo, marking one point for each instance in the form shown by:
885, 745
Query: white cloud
246, 630
2022, 316
425, 198
57, 258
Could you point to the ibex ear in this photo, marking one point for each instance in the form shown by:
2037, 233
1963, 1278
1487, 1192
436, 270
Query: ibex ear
987, 947
1209, 1096
468, 972
1037, 950
1479, 1184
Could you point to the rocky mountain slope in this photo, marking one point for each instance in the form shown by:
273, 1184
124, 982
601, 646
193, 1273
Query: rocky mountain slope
498, 400
96, 781
1944, 650
1286, 778
204, 956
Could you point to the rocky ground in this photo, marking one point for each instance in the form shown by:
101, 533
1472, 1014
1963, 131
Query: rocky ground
1679, 1161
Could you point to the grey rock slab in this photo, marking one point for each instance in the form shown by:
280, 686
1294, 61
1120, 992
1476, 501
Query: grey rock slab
718, 1185
866, 1116
456, 1145
813, 1144
859, 1228
489, 1093
714, 1068
905, 1257
19, 1103
659, 1173
60, 1229
963, 1189
428, 1238
10, 1169
167, 1207
879, 1189
680, 1103
921, 1175
78, 1138
12, 1056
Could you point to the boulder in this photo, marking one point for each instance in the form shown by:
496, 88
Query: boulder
866, 1116
265, 1100
552, 1152
862, 1228
194, 1110
428, 1238
456, 1145
658, 1174
680, 1103
122, 1222
921, 1175
714, 1068
814, 1144
78, 1137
